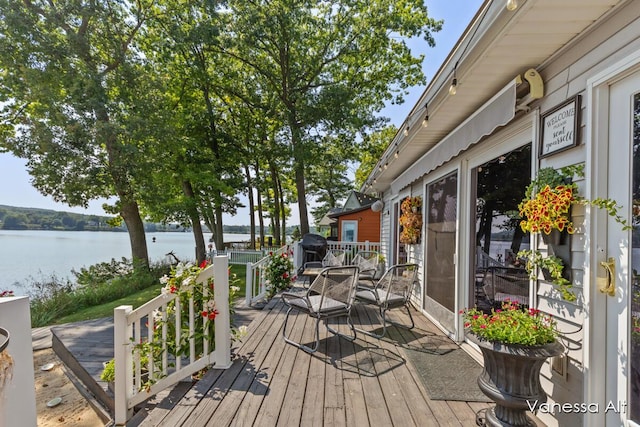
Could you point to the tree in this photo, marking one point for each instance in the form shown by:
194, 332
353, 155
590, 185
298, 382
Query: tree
330, 184
329, 65
373, 148
65, 100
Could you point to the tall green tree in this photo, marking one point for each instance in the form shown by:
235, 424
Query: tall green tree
329, 65
65, 66
373, 147
329, 180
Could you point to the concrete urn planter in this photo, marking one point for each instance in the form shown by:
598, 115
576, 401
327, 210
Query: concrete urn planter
511, 378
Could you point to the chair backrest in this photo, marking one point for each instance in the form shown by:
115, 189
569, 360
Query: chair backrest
398, 280
502, 283
333, 258
337, 283
366, 260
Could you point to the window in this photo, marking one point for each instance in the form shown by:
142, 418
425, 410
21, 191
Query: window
500, 186
349, 231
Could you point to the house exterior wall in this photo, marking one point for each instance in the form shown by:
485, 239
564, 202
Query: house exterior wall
565, 76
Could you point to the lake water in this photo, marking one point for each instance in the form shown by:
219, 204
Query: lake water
41, 253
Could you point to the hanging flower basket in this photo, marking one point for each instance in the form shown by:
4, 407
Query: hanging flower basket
411, 220
546, 210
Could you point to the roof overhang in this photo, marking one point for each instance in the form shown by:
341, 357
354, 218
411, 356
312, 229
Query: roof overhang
497, 46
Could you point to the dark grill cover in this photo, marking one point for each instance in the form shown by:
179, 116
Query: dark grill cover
314, 246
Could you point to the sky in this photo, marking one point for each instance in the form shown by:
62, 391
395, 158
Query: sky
16, 189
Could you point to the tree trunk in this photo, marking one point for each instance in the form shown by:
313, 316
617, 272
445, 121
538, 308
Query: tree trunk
219, 228
138, 240
275, 218
129, 209
256, 168
298, 161
252, 219
194, 217
283, 215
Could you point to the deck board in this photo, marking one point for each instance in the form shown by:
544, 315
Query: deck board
367, 382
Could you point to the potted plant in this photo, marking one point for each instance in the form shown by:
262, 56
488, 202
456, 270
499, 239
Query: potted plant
515, 342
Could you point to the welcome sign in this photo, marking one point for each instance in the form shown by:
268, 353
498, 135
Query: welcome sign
559, 127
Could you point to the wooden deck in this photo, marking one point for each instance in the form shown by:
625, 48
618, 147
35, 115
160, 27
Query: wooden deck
368, 382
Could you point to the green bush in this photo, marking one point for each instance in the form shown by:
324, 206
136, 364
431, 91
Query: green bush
53, 298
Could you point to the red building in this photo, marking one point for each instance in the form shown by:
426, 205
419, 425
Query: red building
357, 221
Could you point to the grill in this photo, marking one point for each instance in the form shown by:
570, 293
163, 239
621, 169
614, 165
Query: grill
314, 247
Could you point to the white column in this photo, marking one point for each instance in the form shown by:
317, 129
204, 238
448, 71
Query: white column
123, 363
223, 320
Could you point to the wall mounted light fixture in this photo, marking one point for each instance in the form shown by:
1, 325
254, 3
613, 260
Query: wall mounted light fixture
406, 131
453, 89
425, 122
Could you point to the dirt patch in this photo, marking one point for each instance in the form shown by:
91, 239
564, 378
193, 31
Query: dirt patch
74, 409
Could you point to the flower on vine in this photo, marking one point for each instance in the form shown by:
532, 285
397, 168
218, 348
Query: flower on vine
278, 272
211, 315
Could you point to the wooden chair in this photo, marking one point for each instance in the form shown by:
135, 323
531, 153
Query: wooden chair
330, 295
392, 290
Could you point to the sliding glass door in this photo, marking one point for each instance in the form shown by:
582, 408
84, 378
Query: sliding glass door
440, 245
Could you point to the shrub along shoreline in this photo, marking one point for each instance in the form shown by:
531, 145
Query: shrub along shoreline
98, 290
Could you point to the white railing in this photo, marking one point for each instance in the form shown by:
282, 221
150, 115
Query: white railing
242, 256
350, 249
132, 327
256, 281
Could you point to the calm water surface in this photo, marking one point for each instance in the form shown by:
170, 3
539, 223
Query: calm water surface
39, 254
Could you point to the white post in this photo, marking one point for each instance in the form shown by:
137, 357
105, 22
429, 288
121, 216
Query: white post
249, 284
297, 255
123, 364
223, 322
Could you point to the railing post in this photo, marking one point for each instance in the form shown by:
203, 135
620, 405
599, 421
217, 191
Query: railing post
249, 284
223, 322
123, 364
297, 255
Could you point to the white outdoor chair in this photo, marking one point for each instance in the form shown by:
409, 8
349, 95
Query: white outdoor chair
393, 290
330, 295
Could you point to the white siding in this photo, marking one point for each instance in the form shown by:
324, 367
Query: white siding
564, 78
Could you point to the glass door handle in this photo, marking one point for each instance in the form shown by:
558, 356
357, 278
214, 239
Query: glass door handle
610, 269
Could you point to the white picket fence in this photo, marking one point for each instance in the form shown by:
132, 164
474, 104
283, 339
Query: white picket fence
256, 283
132, 327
